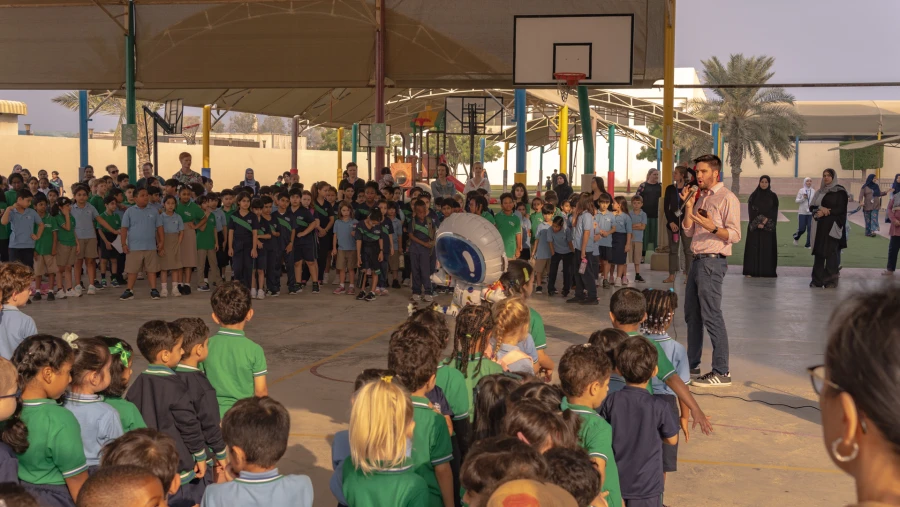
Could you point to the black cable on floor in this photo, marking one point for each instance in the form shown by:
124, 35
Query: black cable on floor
695, 393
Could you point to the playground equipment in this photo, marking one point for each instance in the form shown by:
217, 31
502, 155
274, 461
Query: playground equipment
472, 257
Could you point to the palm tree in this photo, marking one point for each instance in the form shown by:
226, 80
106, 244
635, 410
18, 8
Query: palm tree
115, 106
754, 120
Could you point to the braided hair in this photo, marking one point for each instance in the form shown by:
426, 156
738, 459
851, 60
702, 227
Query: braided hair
474, 324
661, 305
517, 275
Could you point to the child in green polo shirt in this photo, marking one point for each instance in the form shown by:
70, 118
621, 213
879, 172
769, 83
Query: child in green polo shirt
207, 243
584, 377
53, 468
510, 226
413, 354
379, 473
45, 249
627, 310
235, 366
108, 254
474, 324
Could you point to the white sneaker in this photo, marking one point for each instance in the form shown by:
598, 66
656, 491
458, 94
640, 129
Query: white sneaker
415, 297
78, 290
163, 293
796, 243
252, 293
427, 298
406, 283
72, 293
617, 282
91, 290
61, 294
260, 295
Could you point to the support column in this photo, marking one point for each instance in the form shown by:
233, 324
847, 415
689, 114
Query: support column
587, 137
354, 142
379, 75
82, 132
340, 150
540, 184
521, 142
797, 156
129, 90
661, 262
295, 141
206, 120
563, 143
481, 153
505, 163
611, 174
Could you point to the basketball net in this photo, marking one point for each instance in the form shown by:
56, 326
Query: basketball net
189, 133
567, 82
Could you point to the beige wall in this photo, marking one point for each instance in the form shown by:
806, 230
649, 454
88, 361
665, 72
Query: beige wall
814, 157
228, 163
9, 124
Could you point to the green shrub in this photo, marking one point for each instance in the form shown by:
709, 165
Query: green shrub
862, 159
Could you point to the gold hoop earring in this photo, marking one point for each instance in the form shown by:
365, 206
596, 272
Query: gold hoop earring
838, 456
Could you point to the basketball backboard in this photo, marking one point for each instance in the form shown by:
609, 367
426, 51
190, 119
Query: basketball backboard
598, 46
365, 135
473, 115
173, 113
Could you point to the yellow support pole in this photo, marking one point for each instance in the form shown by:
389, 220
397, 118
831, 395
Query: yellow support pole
668, 141
563, 141
340, 150
207, 127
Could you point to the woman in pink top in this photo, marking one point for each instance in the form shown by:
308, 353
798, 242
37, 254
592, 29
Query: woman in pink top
893, 214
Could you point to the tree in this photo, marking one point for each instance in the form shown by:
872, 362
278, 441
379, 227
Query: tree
243, 123
687, 146
753, 120
274, 125
458, 150
116, 107
329, 141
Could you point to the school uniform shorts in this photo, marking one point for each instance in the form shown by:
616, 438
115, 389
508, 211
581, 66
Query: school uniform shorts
346, 259
604, 253
87, 249
44, 265
370, 260
137, 261
65, 255
394, 261
305, 252
670, 452
636, 252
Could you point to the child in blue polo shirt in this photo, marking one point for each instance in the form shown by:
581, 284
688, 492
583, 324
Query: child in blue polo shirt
256, 431
583, 241
22, 220
638, 224
413, 354
559, 239
15, 326
242, 240
621, 240
142, 233
344, 248
605, 227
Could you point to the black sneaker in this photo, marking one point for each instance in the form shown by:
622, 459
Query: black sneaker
831, 285
712, 379
575, 300
370, 296
51, 296
128, 294
396, 284
695, 372
29, 301
186, 289
37, 296
551, 293
203, 288
315, 288
293, 290
154, 294
588, 302
361, 295
302, 286
565, 294
639, 279
539, 290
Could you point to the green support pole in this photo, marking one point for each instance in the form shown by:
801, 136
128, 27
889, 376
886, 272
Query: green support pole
354, 141
611, 175
587, 132
129, 90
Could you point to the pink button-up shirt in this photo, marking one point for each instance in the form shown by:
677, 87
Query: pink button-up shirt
893, 212
724, 209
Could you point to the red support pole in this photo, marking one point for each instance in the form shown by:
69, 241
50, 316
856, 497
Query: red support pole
379, 77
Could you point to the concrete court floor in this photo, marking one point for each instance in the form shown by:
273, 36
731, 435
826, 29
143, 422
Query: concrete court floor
316, 345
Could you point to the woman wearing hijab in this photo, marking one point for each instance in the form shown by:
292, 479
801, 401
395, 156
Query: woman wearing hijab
870, 199
761, 250
249, 183
829, 208
804, 197
650, 191
563, 189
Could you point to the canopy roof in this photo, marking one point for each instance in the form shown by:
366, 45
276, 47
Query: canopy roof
850, 117
891, 142
280, 44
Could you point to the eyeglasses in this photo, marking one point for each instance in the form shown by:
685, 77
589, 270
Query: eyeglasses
16, 394
818, 380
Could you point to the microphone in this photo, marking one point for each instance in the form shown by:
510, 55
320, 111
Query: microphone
694, 189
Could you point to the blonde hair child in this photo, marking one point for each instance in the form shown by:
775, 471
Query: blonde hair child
511, 322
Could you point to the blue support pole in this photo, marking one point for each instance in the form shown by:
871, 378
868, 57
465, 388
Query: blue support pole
796, 156
715, 136
521, 130
659, 155
481, 158
82, 131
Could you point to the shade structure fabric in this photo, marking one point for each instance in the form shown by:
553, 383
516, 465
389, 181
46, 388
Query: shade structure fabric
857, 117
277, 44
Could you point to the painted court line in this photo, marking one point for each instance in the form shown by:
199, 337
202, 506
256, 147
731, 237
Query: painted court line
336, 354
756, 465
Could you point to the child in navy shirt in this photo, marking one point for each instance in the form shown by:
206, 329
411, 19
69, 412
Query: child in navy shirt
256, 431
370, 252
283, 258
365, 208
306, 251
421, 243
264, 238
387, 228
242, 240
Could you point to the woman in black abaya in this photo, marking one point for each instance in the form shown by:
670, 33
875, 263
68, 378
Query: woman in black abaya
761, 251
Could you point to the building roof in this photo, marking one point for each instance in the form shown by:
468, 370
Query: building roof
13, 107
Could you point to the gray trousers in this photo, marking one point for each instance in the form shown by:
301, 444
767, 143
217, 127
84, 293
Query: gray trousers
420, 265
703, 309
684, 244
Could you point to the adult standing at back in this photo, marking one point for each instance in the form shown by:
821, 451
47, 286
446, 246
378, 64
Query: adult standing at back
761, 246
804, 198
712, 219
147, 176
352, 181
870, 199
829, 207
677, 240
598, 188
442, 187
185, 175
651, 191
250, 184
563, 189
479, 179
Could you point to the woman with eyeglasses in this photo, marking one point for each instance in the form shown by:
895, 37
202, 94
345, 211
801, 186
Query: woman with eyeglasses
858, 394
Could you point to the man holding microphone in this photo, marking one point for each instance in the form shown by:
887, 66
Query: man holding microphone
712, 219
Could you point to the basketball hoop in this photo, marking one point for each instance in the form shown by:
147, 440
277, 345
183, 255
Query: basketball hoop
190, 133
420, 122
567, 82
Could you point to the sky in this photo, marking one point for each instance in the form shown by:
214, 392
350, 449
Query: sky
813, 41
